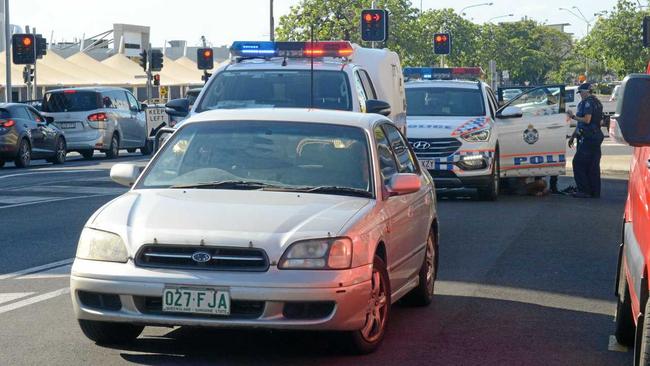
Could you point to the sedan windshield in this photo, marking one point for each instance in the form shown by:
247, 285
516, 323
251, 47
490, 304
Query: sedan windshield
445, 102
268, 155
277, 89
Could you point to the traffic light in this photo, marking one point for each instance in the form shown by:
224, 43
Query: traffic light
156, 60
23, 47
204, 59
41, 46
156, 79
28, 74
374, 25
442, 43
143, 60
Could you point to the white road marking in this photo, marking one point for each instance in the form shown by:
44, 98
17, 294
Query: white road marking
614, 346
76, 189
53, 200
58, 272
34, 300
526, 296
51, 171
13, 296
43, 267
9, 200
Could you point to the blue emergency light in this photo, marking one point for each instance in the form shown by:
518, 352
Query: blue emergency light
267, 49
442, 73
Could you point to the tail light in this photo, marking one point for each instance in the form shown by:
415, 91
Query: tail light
8, 123
98, 117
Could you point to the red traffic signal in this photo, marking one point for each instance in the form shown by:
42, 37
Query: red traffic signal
204, 59
442, 43
156, 79
374, 25
23, 47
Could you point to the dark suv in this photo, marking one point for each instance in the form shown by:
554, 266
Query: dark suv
26, 135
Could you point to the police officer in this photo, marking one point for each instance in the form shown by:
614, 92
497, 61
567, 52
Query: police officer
586, 162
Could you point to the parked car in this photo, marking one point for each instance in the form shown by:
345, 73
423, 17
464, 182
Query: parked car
26, 135
292, 219
632, 286
98, 118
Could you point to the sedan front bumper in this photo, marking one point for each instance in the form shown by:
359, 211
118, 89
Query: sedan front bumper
338, 299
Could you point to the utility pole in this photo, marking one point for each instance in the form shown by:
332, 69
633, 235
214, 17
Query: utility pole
272, 30
34, 94
373, 6
7, 41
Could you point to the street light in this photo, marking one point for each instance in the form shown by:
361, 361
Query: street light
462, 11
500, 16
581, 16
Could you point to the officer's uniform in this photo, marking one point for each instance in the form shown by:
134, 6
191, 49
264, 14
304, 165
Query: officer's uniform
586, 162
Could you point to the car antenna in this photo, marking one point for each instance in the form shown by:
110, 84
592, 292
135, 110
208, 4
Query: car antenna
311, 72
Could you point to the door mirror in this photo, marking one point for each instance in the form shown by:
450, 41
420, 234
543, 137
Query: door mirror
125, 174
510, 112
49, 119
178, 107
633, 110
404, 183
143, 106
162, 135
377, 106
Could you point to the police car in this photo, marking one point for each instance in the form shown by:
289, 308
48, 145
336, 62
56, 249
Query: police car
461, 135
324, 75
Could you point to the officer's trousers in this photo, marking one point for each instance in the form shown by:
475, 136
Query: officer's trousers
586, 164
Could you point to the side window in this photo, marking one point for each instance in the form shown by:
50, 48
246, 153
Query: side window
538, 102
406, 163
21, 112
491, 101
360, 92
133, 104
569, 95
367, 84
387, 163
34, 116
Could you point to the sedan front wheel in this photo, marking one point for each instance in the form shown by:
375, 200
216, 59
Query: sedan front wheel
368, 338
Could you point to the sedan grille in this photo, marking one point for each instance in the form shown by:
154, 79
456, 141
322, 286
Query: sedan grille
434, 148
203, 258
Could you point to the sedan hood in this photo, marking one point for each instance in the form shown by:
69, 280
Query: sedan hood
270, 220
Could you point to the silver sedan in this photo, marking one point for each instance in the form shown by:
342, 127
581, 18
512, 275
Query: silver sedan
286, 219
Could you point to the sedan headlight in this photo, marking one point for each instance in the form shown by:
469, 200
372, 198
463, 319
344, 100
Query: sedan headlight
327, 253
477, 136
100, 245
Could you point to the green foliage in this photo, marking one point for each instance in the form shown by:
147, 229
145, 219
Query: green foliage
528, 50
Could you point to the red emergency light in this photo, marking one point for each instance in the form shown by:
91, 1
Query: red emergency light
327, 49
466, 71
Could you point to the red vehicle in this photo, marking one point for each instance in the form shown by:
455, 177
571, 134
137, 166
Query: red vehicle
632, 126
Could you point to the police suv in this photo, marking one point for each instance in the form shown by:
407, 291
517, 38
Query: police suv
324, 75
461, 135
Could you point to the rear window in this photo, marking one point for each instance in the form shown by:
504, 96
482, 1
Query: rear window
77, 101
4, 114
277, 88
445, 102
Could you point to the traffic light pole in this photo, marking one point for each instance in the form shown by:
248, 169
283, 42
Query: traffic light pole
7, 41
149, 75
34, 94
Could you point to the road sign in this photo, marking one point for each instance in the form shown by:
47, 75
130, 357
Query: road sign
156, 116
164, 91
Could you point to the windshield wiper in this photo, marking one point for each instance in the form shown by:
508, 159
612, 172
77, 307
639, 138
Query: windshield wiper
228, 184
337, 189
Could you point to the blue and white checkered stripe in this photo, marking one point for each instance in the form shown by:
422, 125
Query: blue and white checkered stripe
449, 163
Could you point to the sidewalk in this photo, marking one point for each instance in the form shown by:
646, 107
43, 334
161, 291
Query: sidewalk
615, 161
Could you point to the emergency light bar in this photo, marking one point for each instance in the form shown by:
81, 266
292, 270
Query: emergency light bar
291, 49
442, 73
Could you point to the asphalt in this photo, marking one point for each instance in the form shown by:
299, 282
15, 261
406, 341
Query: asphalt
523, 281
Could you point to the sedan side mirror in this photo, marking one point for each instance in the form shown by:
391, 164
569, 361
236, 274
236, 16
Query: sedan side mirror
510, 112
404, 183
178, 107
633, 110
143, 106
377, 106
49, 119
125, 173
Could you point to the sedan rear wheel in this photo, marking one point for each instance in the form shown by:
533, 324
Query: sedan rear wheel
110, 333
368, 338
24, 157
422, 295
113, 150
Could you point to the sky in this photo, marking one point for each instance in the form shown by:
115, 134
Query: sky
223, 21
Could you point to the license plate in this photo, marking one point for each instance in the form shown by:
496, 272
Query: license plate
67, 125
196, 300
428, 164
